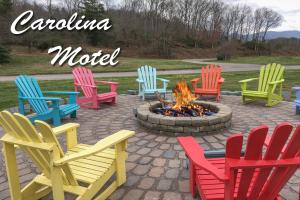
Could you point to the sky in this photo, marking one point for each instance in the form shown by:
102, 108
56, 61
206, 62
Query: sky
289, 9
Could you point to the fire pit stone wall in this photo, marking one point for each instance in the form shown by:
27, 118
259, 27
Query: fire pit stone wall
177, 126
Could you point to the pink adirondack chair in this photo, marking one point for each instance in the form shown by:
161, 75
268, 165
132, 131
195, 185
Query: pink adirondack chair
211, 82
84, 81
256, 176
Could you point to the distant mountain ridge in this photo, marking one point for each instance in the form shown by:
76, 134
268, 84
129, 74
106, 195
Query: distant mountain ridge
282, 34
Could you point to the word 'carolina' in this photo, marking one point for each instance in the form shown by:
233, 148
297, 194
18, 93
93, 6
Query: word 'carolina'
71, 24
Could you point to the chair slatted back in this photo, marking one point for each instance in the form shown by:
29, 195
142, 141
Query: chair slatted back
84, 77
269, 73
257, 182
21, 129
210, 76
29, 87
148, 75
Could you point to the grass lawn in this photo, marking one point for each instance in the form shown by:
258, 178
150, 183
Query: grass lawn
40, 64
287, 60
9, 94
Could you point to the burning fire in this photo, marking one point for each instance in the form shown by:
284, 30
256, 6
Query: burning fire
184, 106
183, 95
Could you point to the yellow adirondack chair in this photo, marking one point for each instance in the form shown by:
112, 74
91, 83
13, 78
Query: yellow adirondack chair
91, 166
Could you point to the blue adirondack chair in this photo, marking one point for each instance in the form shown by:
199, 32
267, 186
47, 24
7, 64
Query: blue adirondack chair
30, 91
148, 82
297, 101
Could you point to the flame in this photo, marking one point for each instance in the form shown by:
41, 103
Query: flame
183, 95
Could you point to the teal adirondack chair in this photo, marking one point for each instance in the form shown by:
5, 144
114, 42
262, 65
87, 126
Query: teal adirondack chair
30, 91
270, 77
148, 82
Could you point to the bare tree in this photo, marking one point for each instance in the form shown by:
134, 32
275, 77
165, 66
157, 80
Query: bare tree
49, 6
258, 24
159, 25
70, 5
272, 19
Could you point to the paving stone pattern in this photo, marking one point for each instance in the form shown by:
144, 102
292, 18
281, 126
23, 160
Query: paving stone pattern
155, 163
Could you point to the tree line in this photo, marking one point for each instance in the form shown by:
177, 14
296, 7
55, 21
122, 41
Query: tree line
199, 23
155, 26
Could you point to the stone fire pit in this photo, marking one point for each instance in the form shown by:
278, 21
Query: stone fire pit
176, 126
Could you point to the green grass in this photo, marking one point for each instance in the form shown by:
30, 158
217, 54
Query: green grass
9, 94
40, 64
286, 60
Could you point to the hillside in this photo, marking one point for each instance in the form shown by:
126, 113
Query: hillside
282, 34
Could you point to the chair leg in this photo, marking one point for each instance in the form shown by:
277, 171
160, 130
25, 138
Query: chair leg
244, 99
74, 114
12, 171
56, 120
218, 98
107, 192
21, 107
271, 102
96, 105
192, 180
57, 189
114, 100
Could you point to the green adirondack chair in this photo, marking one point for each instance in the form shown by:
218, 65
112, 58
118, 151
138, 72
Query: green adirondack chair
270, 77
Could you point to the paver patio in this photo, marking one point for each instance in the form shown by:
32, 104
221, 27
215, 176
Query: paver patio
155, 163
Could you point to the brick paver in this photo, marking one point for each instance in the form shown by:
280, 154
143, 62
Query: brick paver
155, 164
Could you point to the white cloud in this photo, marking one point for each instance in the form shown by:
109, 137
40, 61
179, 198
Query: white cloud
289, 9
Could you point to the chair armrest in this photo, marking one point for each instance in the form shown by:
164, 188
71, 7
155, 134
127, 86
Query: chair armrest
113, 85
196, 79
221, 80
41, 98
196, 155
98, 147
61, 92
72, 95
64, 128
81, 85
244, 164
21, 143
276, 82
163, 80
107, 82
140, 81
218, 153
296, 88
215, 154
248, 80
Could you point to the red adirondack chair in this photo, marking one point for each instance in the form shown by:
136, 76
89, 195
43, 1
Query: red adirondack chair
256, 176
84, 80
211, 82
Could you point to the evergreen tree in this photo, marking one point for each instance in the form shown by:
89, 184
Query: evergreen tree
93, 9
5, 6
